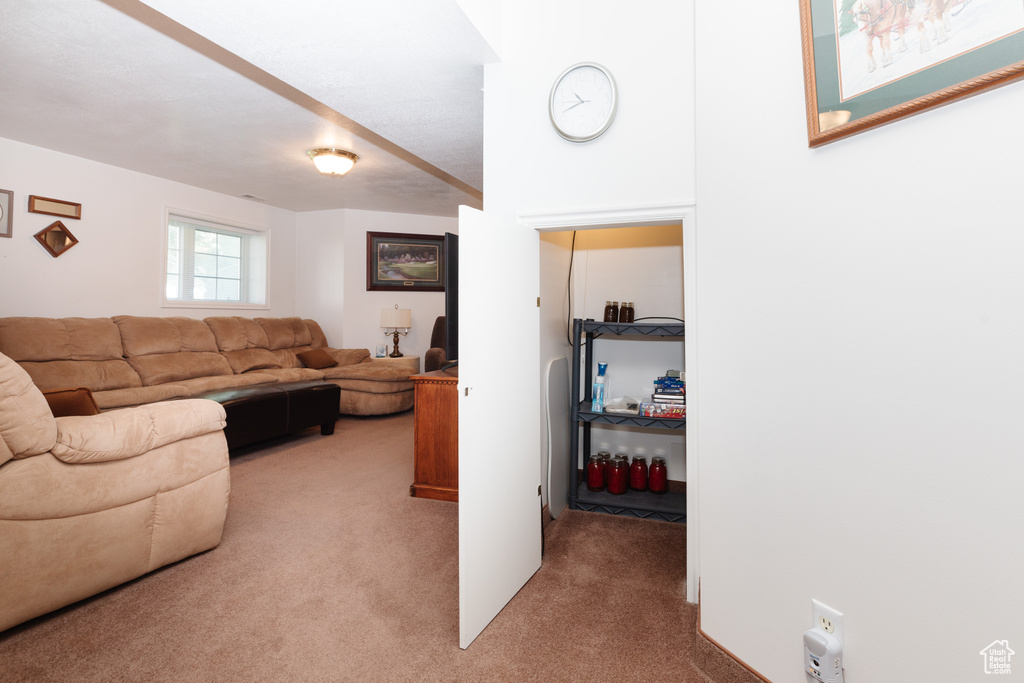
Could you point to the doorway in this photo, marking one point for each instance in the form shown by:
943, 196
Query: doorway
553, 316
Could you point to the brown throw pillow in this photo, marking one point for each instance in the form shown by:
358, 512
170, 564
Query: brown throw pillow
317, 359
67, 402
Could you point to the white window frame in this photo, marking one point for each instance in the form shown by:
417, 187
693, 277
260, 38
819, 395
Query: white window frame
223, 226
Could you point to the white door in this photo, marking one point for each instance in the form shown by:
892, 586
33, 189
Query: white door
499, 416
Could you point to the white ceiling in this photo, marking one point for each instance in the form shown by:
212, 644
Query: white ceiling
229, 95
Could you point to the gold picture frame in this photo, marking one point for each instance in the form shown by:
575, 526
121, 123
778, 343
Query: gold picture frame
54, 207
925, 54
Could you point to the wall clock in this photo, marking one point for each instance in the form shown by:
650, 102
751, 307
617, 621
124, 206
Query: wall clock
583, 101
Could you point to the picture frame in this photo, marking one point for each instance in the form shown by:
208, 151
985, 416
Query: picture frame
404, 261
6, 213
56, 238
924, 58
54, 207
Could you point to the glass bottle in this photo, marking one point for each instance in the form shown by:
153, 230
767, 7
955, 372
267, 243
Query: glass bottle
606, 462
657, 476
618, 477
611, 311
595, 474
638, 473
630, 313
626, 312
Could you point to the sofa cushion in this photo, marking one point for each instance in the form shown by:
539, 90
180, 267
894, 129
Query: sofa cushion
373, 378
199, 385
26, 424
236, 333
44, 339
76, 401
351, 356
293, 374
160, 368
63, 352
317, 332
98, 375
244, 360
142, 336
285, 333
134, 396
317, 359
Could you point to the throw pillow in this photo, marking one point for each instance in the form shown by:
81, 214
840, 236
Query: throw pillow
67, 402
317, 359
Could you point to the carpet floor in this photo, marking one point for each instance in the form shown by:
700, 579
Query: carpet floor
330, 571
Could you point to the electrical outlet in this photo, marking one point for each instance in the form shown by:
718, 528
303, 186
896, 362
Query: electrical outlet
827, 619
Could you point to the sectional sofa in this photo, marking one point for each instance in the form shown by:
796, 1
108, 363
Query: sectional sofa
134, 360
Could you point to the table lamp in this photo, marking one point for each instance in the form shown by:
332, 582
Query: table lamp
394, 319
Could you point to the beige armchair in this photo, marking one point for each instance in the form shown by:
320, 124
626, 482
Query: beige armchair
87, 503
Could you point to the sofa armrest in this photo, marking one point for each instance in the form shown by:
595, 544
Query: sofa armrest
126, 433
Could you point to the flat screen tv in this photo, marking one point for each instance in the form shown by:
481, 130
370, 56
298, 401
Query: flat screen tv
451, 298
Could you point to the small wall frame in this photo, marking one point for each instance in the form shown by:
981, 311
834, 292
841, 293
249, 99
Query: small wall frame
56, 239
6, 214
54, 207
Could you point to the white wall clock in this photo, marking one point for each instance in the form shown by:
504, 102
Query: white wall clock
583, 102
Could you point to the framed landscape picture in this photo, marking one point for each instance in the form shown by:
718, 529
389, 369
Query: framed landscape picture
870, 62
404, 261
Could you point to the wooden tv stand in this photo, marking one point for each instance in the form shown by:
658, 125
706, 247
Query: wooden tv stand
436, 471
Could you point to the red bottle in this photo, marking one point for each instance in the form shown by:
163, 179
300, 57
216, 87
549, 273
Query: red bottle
657, 477
618, 477
595, 474
638, 473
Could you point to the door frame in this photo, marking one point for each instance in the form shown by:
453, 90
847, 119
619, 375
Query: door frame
646, 216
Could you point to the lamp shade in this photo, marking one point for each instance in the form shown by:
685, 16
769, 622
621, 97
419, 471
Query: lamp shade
396, 317
330, 161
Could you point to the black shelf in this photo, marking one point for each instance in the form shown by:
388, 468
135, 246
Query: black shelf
645, 329
585, 415
669, 507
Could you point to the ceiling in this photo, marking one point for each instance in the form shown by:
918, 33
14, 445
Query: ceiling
229, 95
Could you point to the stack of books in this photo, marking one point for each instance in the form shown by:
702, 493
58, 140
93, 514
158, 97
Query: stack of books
668, 398
669, 389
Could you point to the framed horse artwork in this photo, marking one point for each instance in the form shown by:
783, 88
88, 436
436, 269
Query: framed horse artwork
871, 62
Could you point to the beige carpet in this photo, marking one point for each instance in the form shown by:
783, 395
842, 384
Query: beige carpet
329, 571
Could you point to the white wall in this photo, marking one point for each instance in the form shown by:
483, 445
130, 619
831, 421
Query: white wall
331, 277
645, 158
117, 266
861, 316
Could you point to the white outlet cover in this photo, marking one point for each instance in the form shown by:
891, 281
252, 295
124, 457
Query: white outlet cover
818, 610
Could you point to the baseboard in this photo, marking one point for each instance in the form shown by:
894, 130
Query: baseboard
717, 662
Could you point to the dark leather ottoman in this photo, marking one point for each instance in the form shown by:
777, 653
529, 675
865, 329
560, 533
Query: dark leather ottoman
265, 411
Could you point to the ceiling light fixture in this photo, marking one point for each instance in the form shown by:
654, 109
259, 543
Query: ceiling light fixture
330, 161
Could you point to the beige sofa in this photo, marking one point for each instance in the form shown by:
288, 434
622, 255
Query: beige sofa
87, 503
134, 360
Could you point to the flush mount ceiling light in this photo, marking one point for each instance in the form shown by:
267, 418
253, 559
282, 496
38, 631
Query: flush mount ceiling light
330, 161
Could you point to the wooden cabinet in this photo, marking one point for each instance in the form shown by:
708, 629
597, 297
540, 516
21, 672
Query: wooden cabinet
436, 471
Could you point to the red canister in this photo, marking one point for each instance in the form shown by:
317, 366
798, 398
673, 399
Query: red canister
618, 477
638, 473
595, 474
657, 477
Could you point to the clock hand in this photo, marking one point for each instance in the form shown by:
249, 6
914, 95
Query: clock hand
572, 107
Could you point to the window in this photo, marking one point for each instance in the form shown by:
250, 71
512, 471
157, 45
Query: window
213, 265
